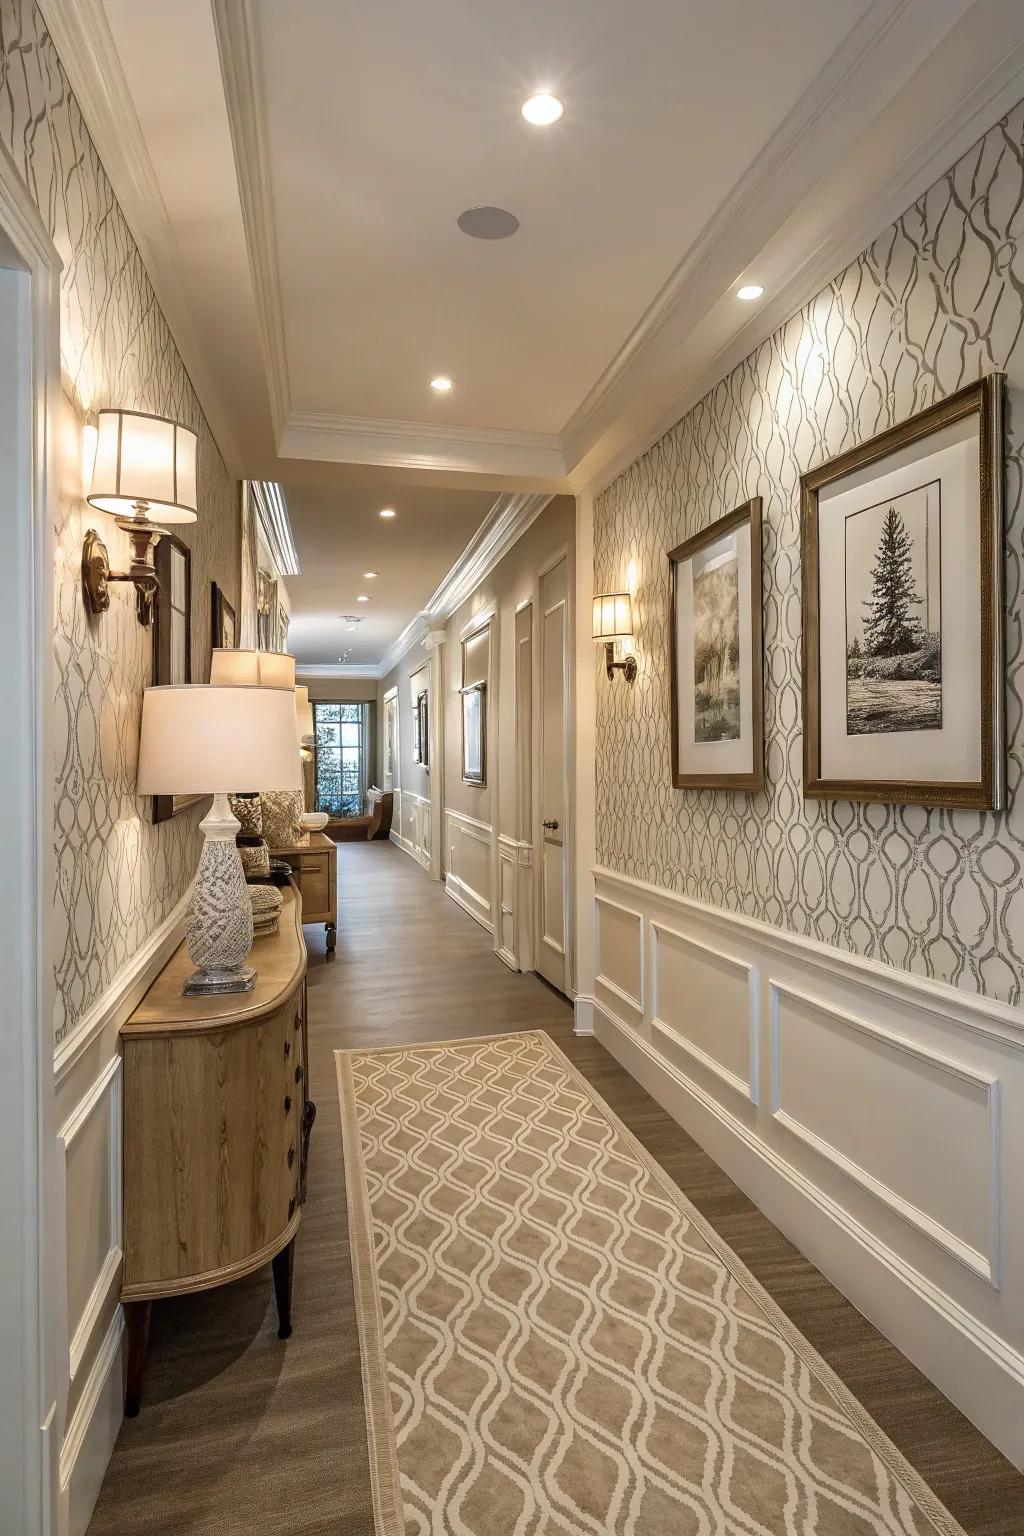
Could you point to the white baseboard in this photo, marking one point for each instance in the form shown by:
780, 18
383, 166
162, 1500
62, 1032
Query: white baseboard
465, 897
978, 1370
409, 847
92, 1433
583, 1015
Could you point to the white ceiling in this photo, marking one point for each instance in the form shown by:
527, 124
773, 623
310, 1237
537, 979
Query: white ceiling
339, 535
384, 122
293, 173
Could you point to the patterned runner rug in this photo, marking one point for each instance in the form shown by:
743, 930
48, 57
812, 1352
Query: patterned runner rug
555, 1342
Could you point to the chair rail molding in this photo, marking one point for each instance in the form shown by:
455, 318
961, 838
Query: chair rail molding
868, 1112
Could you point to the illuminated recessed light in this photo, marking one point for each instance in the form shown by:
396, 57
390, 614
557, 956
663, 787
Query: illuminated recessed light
387, 512
749, 291
369, 575
362, 598
542, 109
441, 385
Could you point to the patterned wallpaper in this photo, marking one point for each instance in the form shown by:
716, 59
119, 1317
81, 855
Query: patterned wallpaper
118, 874
936, 301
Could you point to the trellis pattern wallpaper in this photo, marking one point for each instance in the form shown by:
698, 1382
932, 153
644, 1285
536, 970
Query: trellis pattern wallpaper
936, 301
118, 874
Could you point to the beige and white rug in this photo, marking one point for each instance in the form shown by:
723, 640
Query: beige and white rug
555, 1342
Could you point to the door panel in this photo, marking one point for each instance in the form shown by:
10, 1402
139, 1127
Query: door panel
554, 882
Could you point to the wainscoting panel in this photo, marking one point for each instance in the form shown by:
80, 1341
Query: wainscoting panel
620, 951
468, 876
875, 1116
867, 1100
410, 827
705, 1006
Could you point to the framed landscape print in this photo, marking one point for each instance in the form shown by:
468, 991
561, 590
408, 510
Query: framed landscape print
715, 642
172, 639
474, 767
901, 545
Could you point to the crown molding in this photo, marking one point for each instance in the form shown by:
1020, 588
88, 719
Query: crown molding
340, 669
236, 24
88, 54
783, 149
505, 523
420, 445
879, 204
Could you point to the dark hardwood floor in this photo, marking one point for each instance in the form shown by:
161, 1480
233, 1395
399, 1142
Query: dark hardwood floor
240, 1433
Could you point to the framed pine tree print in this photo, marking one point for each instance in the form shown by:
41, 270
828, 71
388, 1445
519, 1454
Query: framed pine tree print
902, 556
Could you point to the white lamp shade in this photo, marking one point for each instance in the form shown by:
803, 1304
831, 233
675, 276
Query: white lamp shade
200, 739
303, 713
144, 459
613, 616
239, 669
277, 669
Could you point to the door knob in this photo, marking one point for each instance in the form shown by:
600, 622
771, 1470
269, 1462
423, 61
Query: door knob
552, 826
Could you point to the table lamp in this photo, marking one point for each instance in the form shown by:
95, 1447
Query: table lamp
197, 739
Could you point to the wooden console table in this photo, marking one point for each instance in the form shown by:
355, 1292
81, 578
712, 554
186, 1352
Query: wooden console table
315, 872
216, 1127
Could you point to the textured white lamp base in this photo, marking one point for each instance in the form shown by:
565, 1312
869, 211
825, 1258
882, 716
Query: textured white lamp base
219, 928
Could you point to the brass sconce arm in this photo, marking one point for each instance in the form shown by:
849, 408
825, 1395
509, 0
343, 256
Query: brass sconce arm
627, 667
97, 575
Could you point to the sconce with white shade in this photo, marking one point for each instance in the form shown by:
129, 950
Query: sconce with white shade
198, 739
264, 669
142, 464
613, 622
303, 714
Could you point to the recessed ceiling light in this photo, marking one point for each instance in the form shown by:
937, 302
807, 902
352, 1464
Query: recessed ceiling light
362, 598
369, 575
488, 223
542, 109
442, 384
749, 291
387, 512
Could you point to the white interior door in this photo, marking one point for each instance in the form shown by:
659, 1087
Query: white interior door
553, 893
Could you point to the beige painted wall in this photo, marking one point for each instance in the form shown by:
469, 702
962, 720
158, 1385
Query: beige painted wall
512, 581
413, 777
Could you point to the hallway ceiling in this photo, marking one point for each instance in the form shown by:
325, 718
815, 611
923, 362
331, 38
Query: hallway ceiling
294, 174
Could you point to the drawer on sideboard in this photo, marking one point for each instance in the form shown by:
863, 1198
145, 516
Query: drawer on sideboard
315, 881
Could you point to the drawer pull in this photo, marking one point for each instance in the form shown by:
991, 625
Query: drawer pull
291, 1154
287, 1048
287, 1103
291, 1207
299, 1074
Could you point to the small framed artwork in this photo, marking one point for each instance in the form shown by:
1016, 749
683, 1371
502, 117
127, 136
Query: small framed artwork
222, 620
420, 749
474, 720
716, 650
902, 551
172, 639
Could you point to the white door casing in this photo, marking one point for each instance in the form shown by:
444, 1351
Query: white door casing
553, 765
33, 1345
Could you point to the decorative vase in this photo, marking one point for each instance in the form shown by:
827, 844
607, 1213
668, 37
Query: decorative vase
219, 928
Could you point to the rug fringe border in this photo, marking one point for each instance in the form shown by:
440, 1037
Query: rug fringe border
380, 1434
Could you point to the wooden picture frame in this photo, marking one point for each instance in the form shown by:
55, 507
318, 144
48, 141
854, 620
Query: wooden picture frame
172, 639
223, 626
903, 686
420, 747
474, 733
718, 726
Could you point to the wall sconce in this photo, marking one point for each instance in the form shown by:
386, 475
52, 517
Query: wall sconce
613, 621
265, 669
147, 463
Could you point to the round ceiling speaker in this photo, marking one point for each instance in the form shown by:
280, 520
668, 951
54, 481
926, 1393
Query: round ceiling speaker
488, 223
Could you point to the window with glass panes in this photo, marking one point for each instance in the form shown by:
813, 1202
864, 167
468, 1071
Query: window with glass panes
339, 736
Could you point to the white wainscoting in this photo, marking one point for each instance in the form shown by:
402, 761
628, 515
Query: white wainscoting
515, 897
468, 874
876, 1117
410, 825
88, 1092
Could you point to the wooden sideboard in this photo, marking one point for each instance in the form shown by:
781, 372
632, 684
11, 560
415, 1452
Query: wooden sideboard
216, 1128
315, 871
